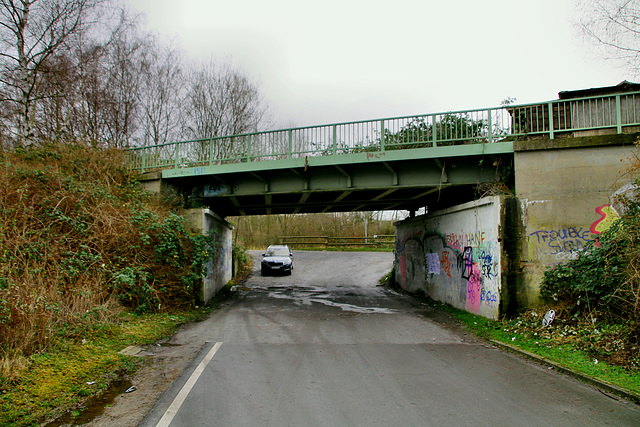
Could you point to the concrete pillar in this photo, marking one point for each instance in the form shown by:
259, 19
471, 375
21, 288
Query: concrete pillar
151, 181
219, 269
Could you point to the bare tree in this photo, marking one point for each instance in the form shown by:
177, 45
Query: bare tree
615, 26
161, 97
93, 89
58, 86
84, 119
31, 32
110, 83
126, 65
221, 101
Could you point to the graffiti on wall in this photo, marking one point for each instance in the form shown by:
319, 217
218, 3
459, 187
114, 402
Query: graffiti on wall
433, 263
461, 240
446, 263
565, 244
465, 267
608, 215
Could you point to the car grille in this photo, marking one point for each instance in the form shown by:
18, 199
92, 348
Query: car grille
275, 264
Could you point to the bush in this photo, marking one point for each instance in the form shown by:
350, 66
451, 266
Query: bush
79, 241
606, 275
243, 263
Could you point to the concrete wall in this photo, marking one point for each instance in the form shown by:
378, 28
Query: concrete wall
152, 182
220, 267
567, 192
219, 270
456, 256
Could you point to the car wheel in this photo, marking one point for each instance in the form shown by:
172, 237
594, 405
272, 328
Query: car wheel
263, 271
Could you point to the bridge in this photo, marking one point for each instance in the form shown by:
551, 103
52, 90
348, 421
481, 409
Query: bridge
401, 163
560, 164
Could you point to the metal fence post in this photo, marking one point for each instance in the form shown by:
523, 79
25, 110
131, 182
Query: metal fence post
434, 129
618, 114
550, 106
290, 144
248, 148
382, 135
144, 160
490, 130
335, 139
177, 153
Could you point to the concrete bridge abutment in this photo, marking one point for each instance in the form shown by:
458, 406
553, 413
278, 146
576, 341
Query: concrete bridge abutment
569, 191
153, 183
489, 256
219, 268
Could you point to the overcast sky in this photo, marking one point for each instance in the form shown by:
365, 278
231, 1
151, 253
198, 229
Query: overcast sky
345, 60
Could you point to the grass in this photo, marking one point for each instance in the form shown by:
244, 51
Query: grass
562, 344
61, 379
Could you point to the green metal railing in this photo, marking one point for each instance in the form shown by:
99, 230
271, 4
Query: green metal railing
509, 122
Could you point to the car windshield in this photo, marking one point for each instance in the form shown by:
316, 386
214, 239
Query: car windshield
277, 252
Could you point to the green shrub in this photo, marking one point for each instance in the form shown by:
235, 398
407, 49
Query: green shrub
606, 275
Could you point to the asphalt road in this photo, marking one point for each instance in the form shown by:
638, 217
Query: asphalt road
327, 346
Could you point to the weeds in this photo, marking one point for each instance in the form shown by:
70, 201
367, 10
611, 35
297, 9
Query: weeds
79, 242
62, 380
601, 286
598, 294
243, 263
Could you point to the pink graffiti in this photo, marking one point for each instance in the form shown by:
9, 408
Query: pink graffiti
474, 290
375, 155
403, 272
608, 216
455, 241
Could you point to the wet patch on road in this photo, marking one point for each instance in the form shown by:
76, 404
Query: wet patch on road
318, 295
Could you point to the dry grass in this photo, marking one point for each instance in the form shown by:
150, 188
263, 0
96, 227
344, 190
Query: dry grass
79, 240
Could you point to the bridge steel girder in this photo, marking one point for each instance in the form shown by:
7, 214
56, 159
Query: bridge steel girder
401, 179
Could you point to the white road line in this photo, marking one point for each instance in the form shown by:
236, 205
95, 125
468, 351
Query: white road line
182, 395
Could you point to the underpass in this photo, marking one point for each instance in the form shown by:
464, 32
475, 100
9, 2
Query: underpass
327, 346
